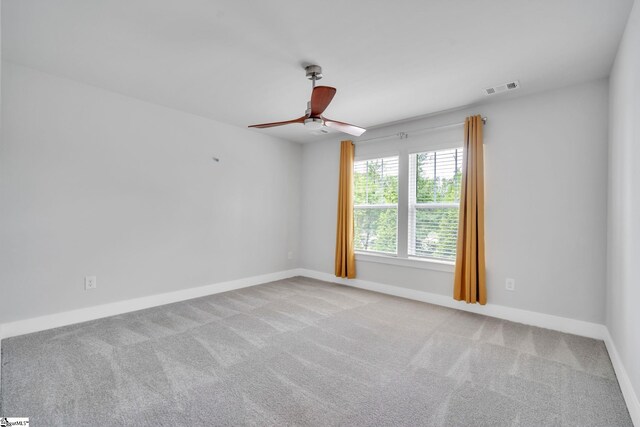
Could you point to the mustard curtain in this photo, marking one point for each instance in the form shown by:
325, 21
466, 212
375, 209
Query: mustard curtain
469, 279
345, 256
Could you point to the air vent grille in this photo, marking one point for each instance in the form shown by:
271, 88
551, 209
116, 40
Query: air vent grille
502, 88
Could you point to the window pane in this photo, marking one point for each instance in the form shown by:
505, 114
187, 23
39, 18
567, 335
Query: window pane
437, 175
376, 229
375, 202
375, 181
434, 199
436, 233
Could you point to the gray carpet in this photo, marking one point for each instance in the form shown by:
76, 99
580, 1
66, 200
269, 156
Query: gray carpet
305, 352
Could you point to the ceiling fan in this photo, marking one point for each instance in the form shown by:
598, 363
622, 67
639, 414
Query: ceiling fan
313, 119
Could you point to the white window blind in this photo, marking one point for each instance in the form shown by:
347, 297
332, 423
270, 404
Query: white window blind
375, 205
434, 202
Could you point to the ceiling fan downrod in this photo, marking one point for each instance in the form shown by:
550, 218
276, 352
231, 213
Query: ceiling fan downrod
314, 72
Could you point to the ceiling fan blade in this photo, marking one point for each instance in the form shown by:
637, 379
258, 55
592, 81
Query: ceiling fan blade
344, 127
274, 124
320, 99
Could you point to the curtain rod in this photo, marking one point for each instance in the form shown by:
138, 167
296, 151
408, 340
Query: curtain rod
404, 135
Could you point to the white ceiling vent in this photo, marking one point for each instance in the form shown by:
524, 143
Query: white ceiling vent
506, 87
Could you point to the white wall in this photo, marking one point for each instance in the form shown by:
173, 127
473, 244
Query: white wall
95, 183
546, 179
623, 268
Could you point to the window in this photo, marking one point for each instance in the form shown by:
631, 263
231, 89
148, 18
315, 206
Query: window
434, 203
407, 206
375, 205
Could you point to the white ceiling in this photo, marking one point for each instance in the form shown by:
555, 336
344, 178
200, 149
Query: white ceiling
240, 62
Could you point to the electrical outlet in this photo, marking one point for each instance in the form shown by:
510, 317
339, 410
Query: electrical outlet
90, 282
510, 284
290, 255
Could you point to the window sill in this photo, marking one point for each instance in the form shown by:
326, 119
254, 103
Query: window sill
424, 264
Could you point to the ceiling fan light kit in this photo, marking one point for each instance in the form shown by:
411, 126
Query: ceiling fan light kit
313, 119
313, 123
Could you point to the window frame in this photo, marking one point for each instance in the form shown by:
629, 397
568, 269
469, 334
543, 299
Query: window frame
402, 258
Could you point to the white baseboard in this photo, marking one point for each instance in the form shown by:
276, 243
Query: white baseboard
630, 396
56, 320
547, 321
